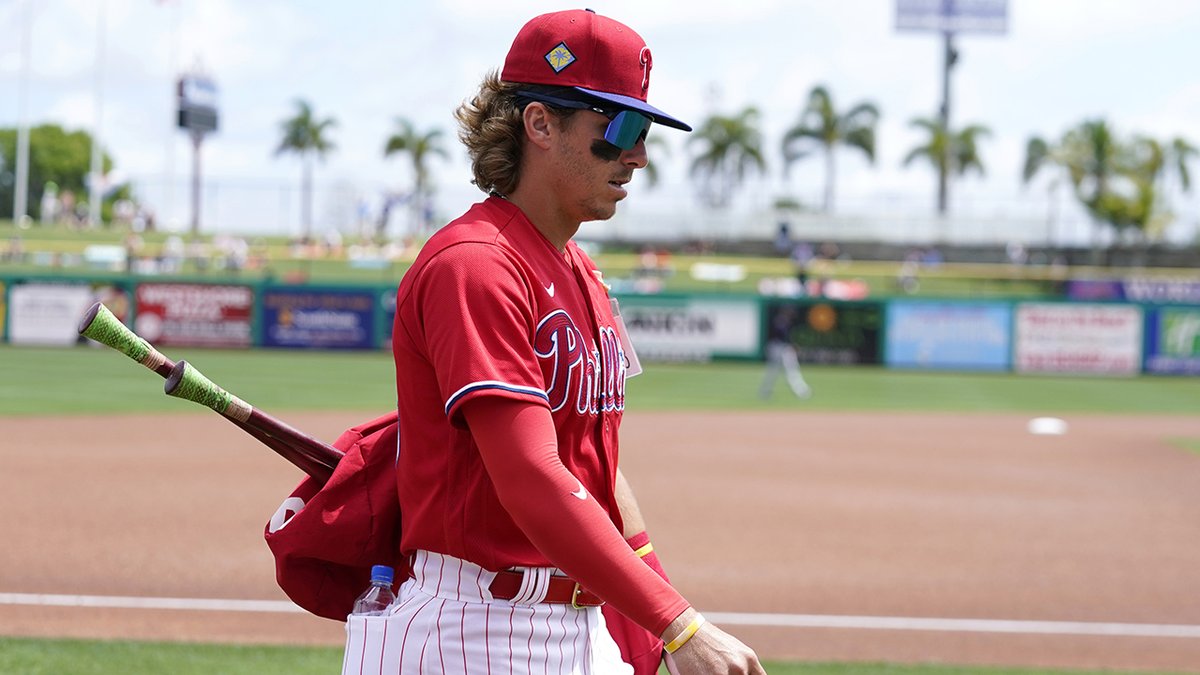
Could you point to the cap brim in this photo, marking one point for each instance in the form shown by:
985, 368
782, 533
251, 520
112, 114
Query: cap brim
636, 104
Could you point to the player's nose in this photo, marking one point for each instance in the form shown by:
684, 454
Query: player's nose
636, 156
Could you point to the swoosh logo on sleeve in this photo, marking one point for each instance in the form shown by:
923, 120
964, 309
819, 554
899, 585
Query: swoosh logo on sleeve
581, 493
550, 289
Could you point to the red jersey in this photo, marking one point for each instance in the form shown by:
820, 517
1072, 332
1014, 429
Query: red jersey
492, 308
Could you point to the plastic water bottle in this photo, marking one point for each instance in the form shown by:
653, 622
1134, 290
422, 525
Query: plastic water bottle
375, 600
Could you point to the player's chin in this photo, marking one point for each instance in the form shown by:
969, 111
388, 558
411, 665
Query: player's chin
603, 214
602, 209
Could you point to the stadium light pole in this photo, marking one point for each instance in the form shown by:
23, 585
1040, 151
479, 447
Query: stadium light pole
21, 196
949, 58
172, 120
97, 167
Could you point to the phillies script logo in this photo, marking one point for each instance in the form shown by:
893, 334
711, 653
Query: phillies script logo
591, 379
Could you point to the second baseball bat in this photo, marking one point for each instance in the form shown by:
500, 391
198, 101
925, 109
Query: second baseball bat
186, 382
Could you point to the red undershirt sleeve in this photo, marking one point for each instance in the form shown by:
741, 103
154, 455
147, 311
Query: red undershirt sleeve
519, 448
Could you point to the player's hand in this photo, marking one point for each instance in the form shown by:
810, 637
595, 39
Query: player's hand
712, 650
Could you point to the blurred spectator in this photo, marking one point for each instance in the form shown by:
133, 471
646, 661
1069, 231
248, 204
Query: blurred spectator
783, 239
802, 256
1016, 253
15, 251
50, 204
932, 257
124, 212
133, 250
231, 251
172, 255
198, 252
333, 243
66, 208
906, 276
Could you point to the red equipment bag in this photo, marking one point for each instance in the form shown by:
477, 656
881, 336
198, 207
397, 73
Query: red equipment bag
325, 538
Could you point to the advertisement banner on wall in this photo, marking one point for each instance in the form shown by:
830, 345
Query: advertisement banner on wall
1135, 289
194, 315
1078, 338
664, 328
832, 333
49, 313
1173, 341
318, 319
387, 304
952, 335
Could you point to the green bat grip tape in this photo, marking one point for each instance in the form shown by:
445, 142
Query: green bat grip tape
194, 386
106, 329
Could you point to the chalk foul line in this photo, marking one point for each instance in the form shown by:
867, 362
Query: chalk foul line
726, 618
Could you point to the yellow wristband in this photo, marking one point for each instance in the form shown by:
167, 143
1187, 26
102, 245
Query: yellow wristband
685, 635
641, 552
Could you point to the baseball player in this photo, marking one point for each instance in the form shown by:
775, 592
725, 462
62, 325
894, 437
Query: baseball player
510, 379
782, 356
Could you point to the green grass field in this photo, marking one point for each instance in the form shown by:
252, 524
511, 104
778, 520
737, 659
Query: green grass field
53, 382
85, 657
49, 381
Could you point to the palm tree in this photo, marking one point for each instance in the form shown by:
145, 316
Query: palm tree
1118, 184
661, 149
307, 137
1162, 159
731, 150
821, 127
952, 153
1148, 164
419, 146
1041, 156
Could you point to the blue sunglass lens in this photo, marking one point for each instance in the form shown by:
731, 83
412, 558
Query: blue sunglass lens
626, 129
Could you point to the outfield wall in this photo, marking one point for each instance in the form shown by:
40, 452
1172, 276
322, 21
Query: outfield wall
1114, 337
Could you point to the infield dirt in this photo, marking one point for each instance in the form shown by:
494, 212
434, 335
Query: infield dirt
880, 515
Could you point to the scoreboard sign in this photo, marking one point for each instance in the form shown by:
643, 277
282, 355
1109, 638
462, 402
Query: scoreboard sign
953, 16
197, 97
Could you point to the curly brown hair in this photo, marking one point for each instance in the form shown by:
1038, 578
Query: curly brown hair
492, 127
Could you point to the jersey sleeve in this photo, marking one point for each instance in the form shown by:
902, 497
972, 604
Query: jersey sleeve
518, 446
476, 321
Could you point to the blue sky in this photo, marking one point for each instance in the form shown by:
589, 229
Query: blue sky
365, 63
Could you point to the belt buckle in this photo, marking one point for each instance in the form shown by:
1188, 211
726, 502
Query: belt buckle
575, 597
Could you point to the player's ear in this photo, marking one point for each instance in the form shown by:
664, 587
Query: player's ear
539, 124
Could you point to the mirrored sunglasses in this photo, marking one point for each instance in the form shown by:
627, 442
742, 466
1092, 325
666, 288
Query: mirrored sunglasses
625, 127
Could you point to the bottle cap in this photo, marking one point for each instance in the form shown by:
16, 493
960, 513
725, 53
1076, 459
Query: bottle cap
382, 573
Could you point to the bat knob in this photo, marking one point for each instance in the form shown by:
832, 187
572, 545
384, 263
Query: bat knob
175, 378
88, 317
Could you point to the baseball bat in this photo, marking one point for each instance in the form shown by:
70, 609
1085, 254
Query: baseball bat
98, 323
186, 382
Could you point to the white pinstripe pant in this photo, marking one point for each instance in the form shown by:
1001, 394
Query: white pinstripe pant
445, 620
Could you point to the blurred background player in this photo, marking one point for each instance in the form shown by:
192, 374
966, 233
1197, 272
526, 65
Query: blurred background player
781, 355
510, 372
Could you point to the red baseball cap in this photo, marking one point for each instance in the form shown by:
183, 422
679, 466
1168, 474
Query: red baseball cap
592, 54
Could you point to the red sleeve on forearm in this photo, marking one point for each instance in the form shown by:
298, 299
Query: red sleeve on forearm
641, 539
519, 448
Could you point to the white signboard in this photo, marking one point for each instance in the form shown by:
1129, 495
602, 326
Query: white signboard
691, 328
47, 314
1073, 338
